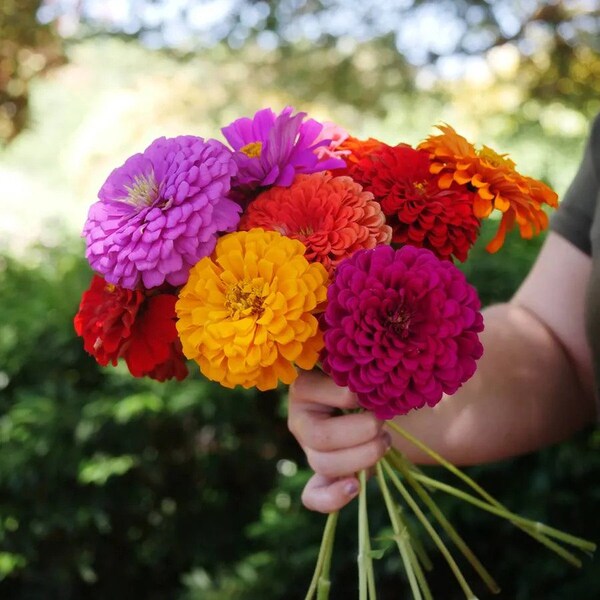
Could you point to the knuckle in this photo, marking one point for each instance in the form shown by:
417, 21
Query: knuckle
310, 431
313, 459
299, 427
320, 464
347, 398
292, 424
318, 438
302, 386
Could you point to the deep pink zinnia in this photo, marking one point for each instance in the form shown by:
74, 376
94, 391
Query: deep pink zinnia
271, 149
161, 211
401, 329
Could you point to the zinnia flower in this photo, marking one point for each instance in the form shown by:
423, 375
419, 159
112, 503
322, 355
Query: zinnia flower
400, 329
332, 216
161, 211
420, 212
246, 313
498, 185
357, 150
335, 136
271, 149
139, 327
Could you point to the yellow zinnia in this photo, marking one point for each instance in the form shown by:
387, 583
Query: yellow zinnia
246, 313
496, 183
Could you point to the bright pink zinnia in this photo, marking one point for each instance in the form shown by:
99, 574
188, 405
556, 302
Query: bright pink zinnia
271, 149
401, 329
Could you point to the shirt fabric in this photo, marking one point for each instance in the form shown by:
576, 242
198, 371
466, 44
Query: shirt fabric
578, 220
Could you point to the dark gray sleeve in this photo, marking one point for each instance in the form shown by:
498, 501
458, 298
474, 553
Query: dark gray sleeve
573, 219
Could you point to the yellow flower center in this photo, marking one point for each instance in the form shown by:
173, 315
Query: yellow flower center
143, 192
110, 288
243, 300
306, 231
420, 187
253, 149
495, 159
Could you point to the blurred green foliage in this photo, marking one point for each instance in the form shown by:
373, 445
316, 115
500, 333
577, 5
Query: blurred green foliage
112, 487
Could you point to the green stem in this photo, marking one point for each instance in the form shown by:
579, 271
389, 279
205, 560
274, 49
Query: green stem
518, 521
536, 530
415, 575
430, 530
417, 545
366, 577
320, 580
442, 461
401, 463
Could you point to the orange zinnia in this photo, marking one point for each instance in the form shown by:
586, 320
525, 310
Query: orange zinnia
358, 149
495, 181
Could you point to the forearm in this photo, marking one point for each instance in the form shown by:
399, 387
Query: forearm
526, 394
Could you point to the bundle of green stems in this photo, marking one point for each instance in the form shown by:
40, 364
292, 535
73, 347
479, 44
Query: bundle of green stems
396, 475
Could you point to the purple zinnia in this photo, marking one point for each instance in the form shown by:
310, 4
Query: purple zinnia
400, 329
161, 211
270, 149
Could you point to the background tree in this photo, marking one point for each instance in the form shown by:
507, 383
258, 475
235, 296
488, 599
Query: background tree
27, 49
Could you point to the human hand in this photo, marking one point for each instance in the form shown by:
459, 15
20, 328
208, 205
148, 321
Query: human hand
337, 446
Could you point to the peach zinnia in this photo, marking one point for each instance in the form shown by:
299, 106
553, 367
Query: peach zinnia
495, 181
246, 313
332, 216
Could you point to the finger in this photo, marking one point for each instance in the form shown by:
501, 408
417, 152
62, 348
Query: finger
320, 431
328, 495
344, 463
317, 389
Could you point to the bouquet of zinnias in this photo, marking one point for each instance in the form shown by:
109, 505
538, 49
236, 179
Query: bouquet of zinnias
299, 246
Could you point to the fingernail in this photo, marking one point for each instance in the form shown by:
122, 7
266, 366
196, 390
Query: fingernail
387, 440
351, 488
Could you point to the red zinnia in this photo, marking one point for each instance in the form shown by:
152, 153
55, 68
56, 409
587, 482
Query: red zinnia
420, 212
132, 324
332, 216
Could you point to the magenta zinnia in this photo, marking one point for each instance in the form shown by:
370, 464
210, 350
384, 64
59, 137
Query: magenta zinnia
271, 149
161, 212
401, 329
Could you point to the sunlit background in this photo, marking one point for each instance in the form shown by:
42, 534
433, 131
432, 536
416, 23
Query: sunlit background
113, 488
